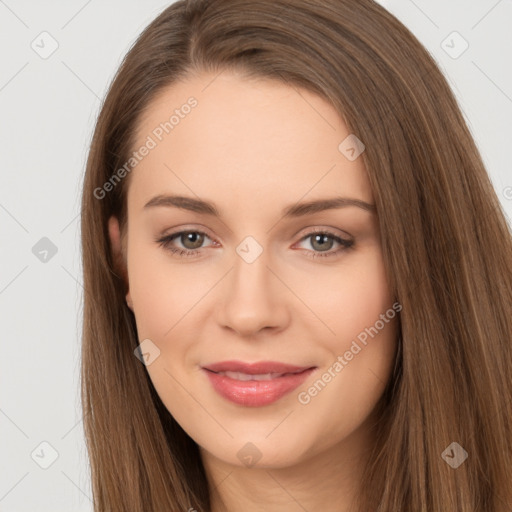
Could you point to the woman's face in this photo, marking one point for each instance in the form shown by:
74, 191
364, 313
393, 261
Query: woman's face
256, 277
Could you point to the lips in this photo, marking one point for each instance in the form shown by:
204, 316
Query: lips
259, 368
255, 384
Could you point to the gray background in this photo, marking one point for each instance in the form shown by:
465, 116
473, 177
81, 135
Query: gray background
48, 107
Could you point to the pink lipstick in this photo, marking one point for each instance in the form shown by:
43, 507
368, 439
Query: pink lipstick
255, 384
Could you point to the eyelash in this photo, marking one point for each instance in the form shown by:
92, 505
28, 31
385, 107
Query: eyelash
188, 253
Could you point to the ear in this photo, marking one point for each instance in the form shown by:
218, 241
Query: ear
118, 256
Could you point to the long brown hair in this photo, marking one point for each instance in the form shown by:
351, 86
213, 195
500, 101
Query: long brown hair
446, 246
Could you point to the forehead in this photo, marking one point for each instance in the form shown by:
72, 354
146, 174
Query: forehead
259, 139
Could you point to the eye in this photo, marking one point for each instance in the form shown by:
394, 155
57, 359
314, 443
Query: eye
192, 242
323, 240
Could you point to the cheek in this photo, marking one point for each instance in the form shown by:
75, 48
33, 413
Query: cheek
162, 290
357, 306
347, 298
350, 298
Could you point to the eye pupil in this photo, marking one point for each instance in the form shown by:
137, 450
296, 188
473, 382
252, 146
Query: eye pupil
195, 238
322, 239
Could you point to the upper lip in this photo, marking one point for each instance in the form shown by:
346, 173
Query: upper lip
258, 368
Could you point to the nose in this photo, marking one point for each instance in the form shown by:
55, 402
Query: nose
253, 298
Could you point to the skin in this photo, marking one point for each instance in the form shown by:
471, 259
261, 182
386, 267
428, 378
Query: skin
253, 148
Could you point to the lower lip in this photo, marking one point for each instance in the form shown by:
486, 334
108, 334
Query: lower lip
256, 393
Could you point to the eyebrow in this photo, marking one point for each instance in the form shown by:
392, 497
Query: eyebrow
295, 210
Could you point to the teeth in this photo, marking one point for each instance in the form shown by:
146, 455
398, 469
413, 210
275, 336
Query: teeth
246, 376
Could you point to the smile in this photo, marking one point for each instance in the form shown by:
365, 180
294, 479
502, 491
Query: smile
255, 385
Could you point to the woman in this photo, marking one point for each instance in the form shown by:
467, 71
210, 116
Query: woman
297, 273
